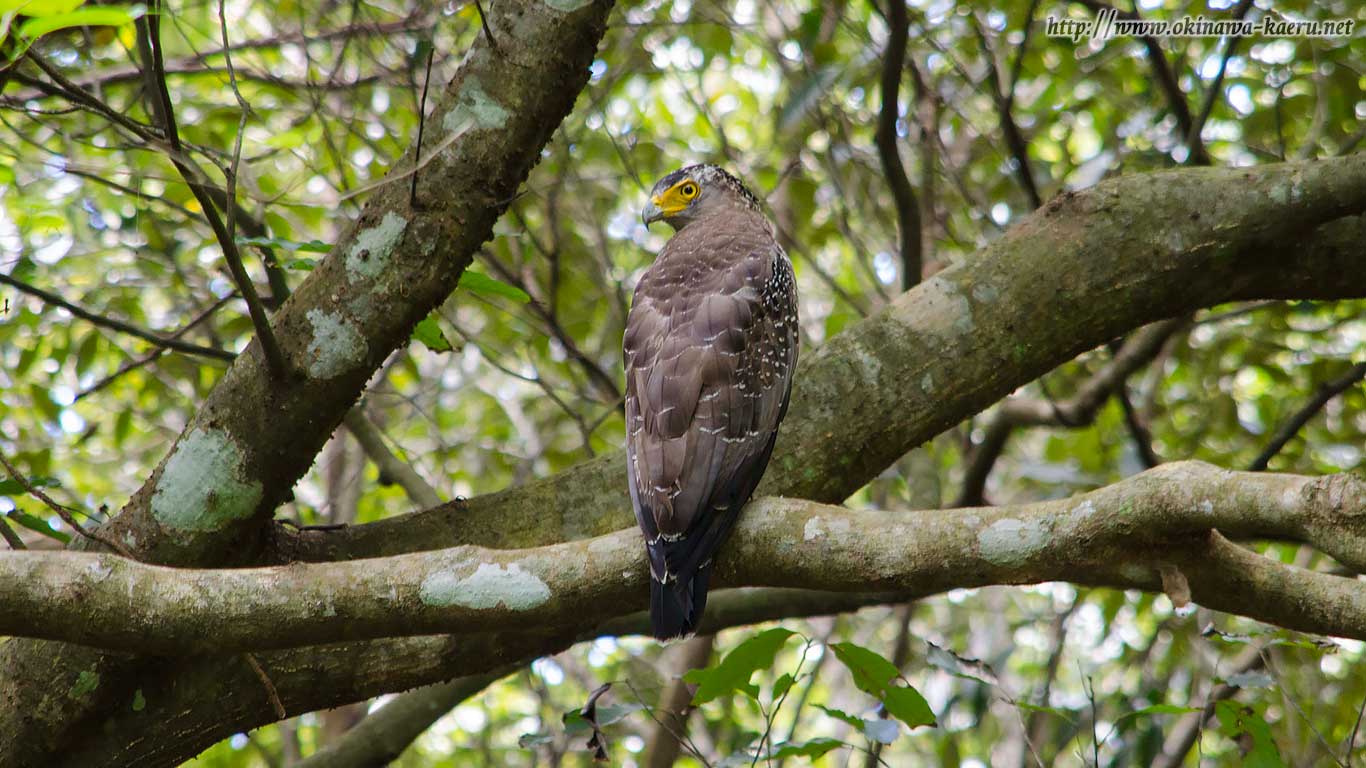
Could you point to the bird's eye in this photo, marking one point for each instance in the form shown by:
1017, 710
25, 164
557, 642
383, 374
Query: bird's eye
688, 191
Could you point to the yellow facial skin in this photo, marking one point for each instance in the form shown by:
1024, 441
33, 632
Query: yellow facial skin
672, 201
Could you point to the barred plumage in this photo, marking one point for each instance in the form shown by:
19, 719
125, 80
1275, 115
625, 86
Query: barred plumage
711, 344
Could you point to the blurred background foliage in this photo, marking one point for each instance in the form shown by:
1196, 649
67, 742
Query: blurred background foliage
787, 96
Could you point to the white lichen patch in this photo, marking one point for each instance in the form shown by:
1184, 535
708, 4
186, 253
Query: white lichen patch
941, 310
336, 347
370, 252
490, 586
1205, 506
985, 293
812, 530
474, 108
1083, 511
205, 485
1011, 542
927, 384
98, 570
868, 364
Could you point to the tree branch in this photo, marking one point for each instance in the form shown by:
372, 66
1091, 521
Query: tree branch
1077, 411
161, 342
198, 704
380, 738
1117, 536
1296, 422
907, 209
149, 43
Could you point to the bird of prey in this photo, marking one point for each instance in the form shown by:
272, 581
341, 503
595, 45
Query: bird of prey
711, 343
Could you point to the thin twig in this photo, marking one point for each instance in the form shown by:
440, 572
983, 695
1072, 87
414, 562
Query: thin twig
271, 693
1356, 727
1166, 79
62, 512
1212, 95
10, 536
116, 325
149, 41
484, 22
1015, 141
133, 365
421, 124
230, 187
1288, 430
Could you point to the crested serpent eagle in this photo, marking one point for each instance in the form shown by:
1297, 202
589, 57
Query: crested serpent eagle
711, 343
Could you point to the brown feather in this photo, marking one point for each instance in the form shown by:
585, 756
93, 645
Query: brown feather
710, 347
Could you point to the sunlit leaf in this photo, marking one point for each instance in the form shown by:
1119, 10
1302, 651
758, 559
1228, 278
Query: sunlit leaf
813, 749
481, 283
104, 16
9, 486
430, 334
735, 670
37, 525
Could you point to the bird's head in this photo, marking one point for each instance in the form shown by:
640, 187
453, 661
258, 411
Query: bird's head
688, 193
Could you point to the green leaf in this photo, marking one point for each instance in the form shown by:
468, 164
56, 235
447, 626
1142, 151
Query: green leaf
478, 282
1054, 711
872, 673
139, 703
105, 16
813, 748
1163, 709
841, 715
312, 246
908, 706
782, 685
12, 487
301, 265
429, 333
1236, 720
878, 677
38, 526
40, 7
740, 664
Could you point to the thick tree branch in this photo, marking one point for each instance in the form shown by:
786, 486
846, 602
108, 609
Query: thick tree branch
201, 703
1084, 269
1116, 536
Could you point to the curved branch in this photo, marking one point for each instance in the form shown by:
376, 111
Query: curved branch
196, 704
1120, 536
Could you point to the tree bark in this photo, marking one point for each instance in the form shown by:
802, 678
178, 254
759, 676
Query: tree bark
1124, 535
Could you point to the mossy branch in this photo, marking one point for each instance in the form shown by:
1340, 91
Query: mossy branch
1133, 534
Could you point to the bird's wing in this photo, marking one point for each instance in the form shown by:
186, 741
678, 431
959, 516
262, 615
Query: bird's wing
710, 347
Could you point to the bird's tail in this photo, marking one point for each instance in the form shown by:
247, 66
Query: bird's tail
676, 608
